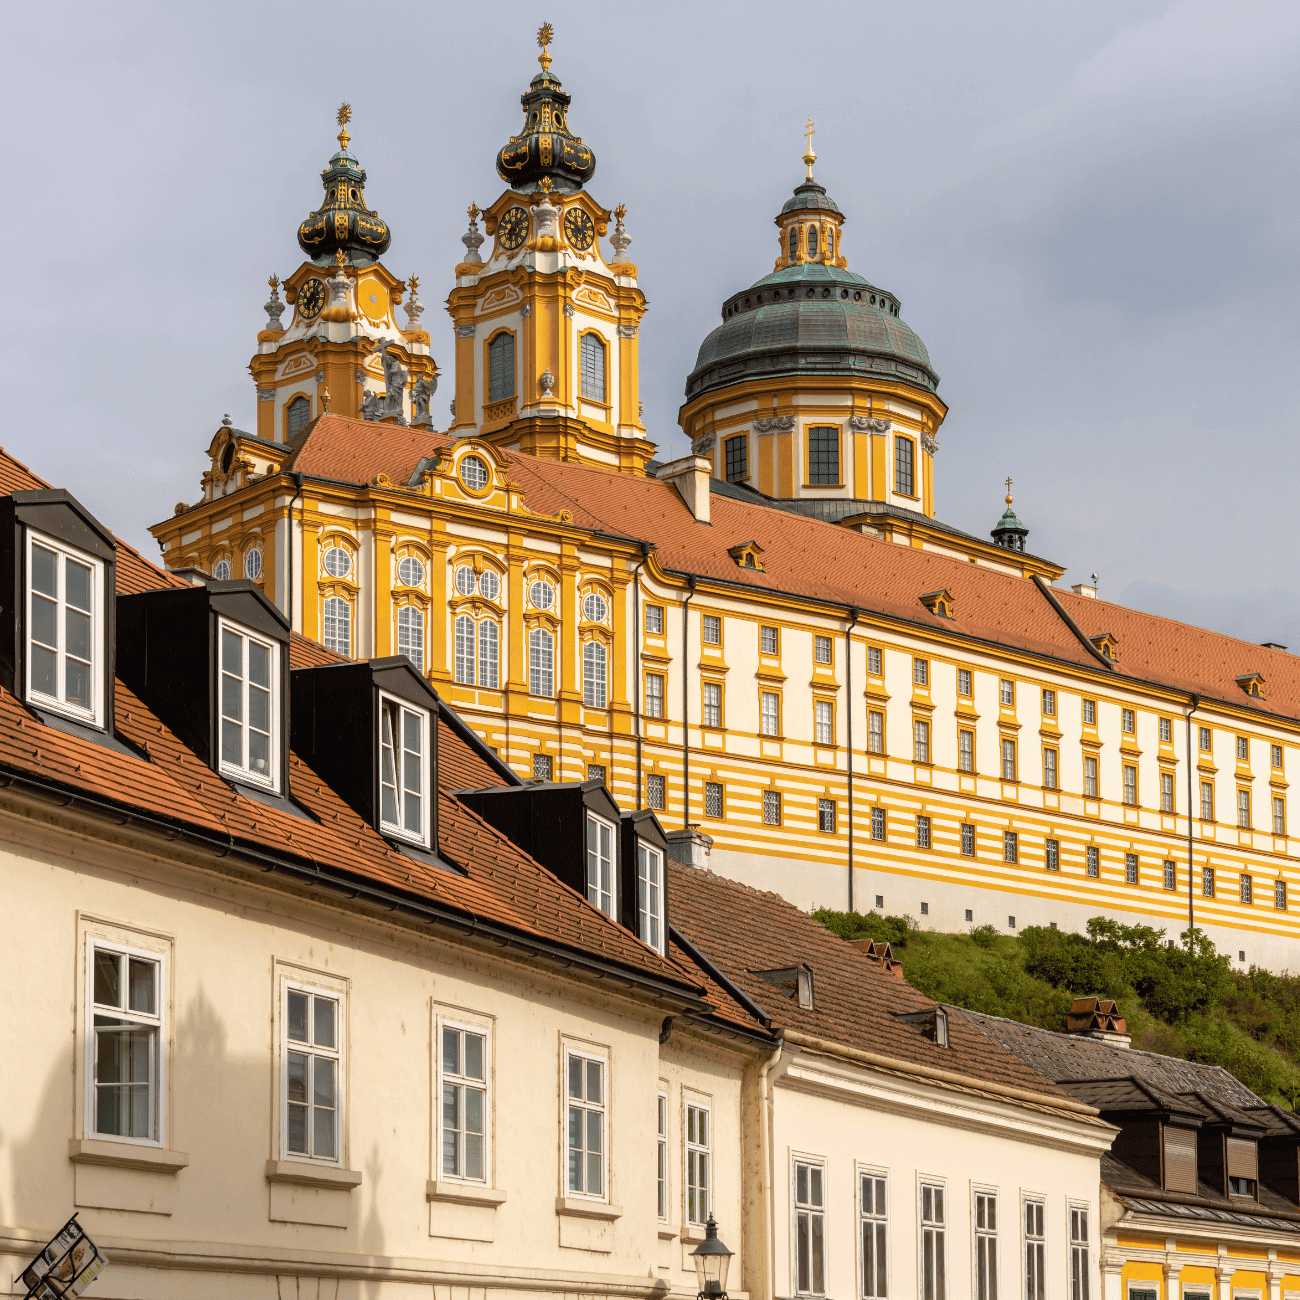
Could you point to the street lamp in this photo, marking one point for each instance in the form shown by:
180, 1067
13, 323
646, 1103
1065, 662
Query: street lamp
712, 1259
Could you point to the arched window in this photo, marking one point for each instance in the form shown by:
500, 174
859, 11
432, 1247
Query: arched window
297, 417
794, 242
253, 563
336, 628
593, 367
410, 635
541, 662
221, 571
501, 368
812, 241
488, 655
593, 675
338, 563
465, 649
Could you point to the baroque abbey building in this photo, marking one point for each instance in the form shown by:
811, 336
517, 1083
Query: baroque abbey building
773, 642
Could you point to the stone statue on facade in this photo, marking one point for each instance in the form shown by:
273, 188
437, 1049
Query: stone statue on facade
422, 392
389, 405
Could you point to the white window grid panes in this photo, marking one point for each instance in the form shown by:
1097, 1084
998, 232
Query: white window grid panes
874, 660
410, 635
1243, 749
312, 1074
585, 1079
808, 1188
466, 582
1279, 895
713, 798
65, 630
698, 1152
771, 808
253, 563
473, 473
650, 895
966, 751
1130, 868
922, 831
1052, 855
336, 625
593, 367
1279, 815
403, 770
920, 672
1090, 713
875, 732
770, 713
1010, 846
1007, 693
661, 1153
767, 640
124, 1042
933, 1244
654, 620
600, 864
921, 740
594, 607
542, 766
1207, 882
1049, 768
878, 824
489, 584
221, 571
541, 594
1049, 703
655, 792
1080, 1263
967, 840
1035, 1251
1166, 731
826, 815
712, 704
1130, 784
1207, 801
338, 563
541, 663
1170, 874
821, 649
873, 1221
1090, 777
593, 675
654, 695
824, 719
1247, 893
711, 629
464, 1092
1093, 856
1275, 755
489, 655
410, 571
1204, 739
986, 1246
1243, 808
249, 672
466, 653
963, 681
1008, 760
1166, 792
1128, 721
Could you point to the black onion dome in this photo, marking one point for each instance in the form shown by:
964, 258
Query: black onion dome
811, 197
343, 221
546, 147
811, 319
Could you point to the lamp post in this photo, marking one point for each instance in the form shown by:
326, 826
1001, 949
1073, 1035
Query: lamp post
712, 1260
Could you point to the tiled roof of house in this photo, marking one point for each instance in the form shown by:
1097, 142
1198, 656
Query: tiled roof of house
855, 1003
809, 558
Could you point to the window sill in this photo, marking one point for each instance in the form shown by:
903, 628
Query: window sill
302, 1174
580, 1208
452, 1193
692, 1234
666, 1233
126, 1155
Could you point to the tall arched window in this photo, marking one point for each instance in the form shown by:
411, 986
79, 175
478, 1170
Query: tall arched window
336, 628
541, 662
297, 417
501, 368
794, 242
489, 637
593, 367
812, 241
465, 649
593, 675
410, 635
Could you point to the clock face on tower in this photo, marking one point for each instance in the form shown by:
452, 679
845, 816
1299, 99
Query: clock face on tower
578, 227
513, 229
311, 298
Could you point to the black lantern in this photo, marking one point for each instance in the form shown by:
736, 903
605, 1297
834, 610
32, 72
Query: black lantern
712, 1259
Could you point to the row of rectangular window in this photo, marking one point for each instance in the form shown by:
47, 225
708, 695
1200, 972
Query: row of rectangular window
823, 458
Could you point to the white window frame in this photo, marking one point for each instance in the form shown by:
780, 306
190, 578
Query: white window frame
711, 695
158, 1081
770, 713
595, 658
875, 661
821, 643
464, 649
95, 714
1083, 1244
875, 1218
585, 1052
875, 734
231, 769
484, 1031
593, 819
818, 1163
662, 1186
541, 663
1006, 693
654, 620
824, 721
426, 792
410, 641
489, 654
1029, 1242
965, 749
644, 917
978, 1234
302, 982
703, 1153
654, 699
940, 1185
334, 642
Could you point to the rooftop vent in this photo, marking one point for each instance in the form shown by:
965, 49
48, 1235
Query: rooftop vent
1273, 645
1097, 1018
796, 982
933, 1024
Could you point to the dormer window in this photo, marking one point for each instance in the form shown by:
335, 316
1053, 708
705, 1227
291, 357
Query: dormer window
403, 780
600, 863
650, 895
250, 674
65, 630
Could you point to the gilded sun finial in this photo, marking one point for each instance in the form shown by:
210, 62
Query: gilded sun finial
340, 258
274, 282
1008, 491
809, 157
344, 117
546, 184
473, 211
413, 283
620, 212
545, 35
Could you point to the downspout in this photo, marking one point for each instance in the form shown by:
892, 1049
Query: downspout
686, 711
767, 1119
297, 496
636, 663
848, 708
1191, 906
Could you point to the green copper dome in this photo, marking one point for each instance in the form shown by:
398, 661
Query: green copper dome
343, 221
811, 197
811, 319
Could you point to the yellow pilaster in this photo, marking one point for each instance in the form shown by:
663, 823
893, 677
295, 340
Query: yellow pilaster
438, 668
311, 531
570, 694
879, 467
861, 465
385, 615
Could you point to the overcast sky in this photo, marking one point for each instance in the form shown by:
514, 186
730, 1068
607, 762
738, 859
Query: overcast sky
1088, 210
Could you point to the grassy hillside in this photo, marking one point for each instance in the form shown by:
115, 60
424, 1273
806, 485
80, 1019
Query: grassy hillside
1182, 999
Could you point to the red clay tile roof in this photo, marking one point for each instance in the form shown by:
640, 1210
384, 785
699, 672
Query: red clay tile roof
354, 451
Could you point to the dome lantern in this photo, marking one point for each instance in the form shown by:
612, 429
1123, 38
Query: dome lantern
343, 222
1010, 533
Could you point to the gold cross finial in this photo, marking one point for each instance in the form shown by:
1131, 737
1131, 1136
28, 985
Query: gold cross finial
1008, 491
545, 35
809, 157
345, 116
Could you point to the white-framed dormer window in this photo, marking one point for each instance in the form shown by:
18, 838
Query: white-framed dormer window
600, 863
587, 1108
403, 770
250, 689
65, 621
125, 1055
464, 1115
650, 895
311, 1073
698, 1159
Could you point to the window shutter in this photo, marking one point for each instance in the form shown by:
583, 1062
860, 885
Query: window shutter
1180, 1159
1243, 1158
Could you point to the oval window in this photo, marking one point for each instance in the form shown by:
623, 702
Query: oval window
473, 473
489, 584
222, 571
338, 563
253, 563
410, 572
542, 594
593, 608
465, 580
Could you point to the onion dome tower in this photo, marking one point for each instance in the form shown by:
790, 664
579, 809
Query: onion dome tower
1009, 532
546, 318
814, 389
343, 221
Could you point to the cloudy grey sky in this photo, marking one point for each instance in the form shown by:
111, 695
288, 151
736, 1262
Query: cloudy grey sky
1087, 209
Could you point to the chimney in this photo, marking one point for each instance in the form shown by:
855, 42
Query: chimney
1273, 645
1098, 1018
690, 476
689, 846
1083, 589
